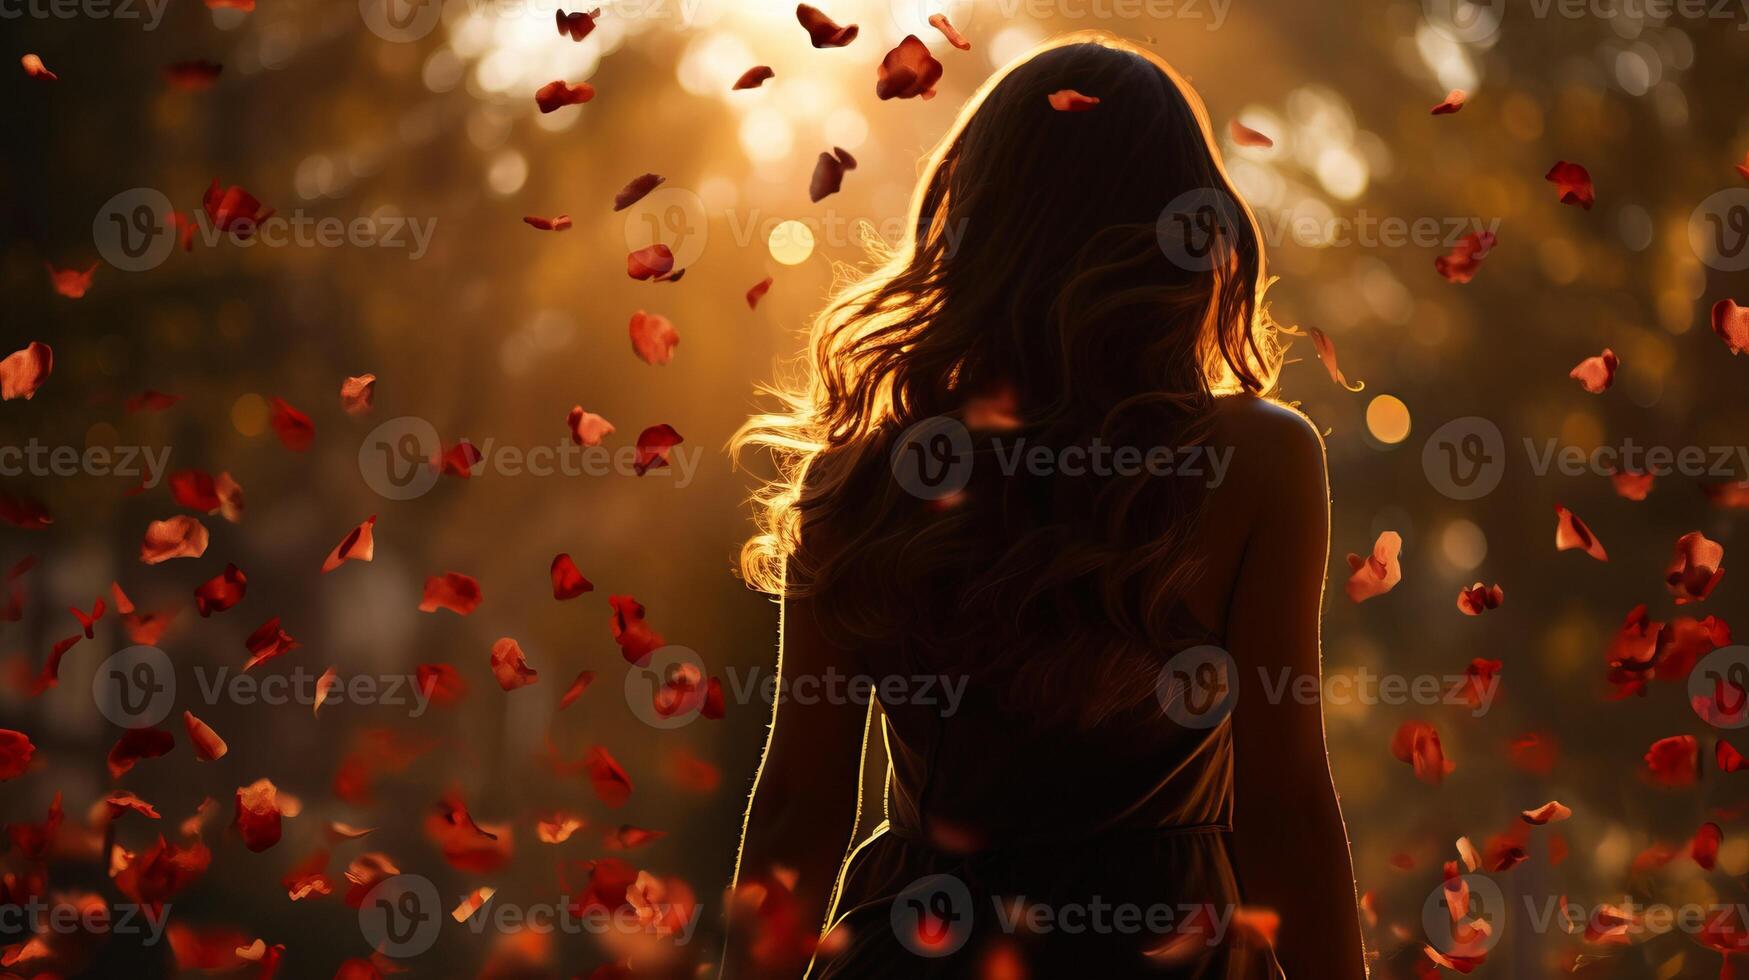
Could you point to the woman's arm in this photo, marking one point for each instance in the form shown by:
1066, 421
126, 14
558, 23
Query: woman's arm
1290, 846
805, 796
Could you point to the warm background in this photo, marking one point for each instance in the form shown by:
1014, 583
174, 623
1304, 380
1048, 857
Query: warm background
499, 329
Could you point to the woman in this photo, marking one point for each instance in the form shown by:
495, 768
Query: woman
1031, 491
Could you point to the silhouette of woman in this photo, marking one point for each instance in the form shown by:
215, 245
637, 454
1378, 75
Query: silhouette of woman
1033, 494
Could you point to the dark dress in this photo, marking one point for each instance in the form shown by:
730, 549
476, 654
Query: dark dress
1019, 851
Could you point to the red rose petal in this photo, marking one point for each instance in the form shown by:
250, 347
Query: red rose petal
577, 688
653, 446
358, 545
441, 683
954, 37
822, 32
1596, 373
650, 262
267, 642
556, 95
635, 638
1551, 812
136, 744
1574, 183
1731, 324
1417, 743
509, 665
568, 582
558, 223
757, 292
1705, 847
1673, 761
174, 537
15, 753
454, 591
576, 26
908, 71
753, 78
221, 592
653, 338
1478, 599
587, 428
356, 393
1069, 100
1571, 532
1454, 100
34, 67
234, 210
258, 813
24, 371
71, 283
1377, 573
1631, 486
1694, 569
192, 76
294, 428
1465, 258
207, 743
610, 782
635, 189
1327, 353
1244, 135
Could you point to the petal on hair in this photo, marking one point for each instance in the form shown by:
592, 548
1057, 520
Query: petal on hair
1069, 100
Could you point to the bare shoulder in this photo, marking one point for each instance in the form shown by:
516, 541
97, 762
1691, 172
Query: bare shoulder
1269, 438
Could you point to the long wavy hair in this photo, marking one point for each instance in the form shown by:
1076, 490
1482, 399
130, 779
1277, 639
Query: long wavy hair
1043, 281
